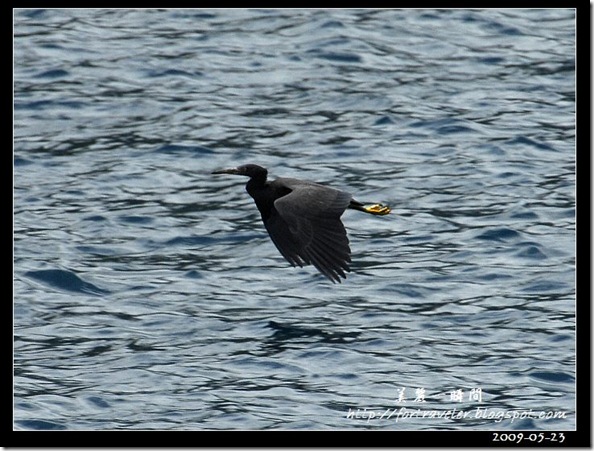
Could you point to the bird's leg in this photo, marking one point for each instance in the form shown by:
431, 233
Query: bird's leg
375, 209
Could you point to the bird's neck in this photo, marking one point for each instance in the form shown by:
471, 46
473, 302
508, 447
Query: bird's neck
256, 183
260, 191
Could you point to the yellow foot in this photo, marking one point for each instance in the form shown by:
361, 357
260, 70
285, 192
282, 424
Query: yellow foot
377, 209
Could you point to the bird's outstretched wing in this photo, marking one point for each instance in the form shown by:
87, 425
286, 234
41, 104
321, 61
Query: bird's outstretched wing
306, 228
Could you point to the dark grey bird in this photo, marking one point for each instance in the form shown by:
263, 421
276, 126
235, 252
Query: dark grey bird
303, 219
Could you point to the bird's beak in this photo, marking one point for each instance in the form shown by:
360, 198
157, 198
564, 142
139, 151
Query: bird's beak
226, 171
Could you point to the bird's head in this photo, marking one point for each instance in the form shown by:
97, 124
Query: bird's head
249, 170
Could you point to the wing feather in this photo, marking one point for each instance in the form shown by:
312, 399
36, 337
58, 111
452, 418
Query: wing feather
306, 228
284, 242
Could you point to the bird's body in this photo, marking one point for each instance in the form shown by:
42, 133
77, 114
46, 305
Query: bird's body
303, 219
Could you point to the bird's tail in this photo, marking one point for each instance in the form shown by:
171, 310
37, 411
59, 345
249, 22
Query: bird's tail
375, 209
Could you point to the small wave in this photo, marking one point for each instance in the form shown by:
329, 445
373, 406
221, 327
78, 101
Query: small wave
65, 280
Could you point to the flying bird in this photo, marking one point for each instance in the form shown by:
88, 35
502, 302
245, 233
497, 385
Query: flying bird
303, 219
